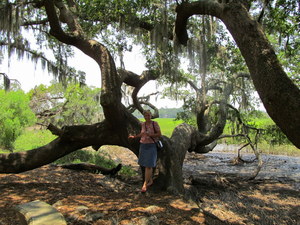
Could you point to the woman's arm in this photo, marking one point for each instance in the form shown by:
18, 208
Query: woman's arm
157, 132
138, 135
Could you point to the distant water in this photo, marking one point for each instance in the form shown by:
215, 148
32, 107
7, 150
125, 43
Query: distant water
220, 161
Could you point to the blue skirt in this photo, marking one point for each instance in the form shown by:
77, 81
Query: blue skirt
147, 155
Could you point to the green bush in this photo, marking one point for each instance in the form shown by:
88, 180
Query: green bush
15, 115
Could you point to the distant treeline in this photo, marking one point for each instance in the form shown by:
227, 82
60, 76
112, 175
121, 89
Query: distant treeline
163, 112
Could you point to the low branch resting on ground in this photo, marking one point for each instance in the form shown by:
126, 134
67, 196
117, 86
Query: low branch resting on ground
93, 168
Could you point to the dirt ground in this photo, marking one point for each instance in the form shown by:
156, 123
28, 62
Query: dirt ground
87, 198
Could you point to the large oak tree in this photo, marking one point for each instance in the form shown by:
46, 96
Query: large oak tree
64, 21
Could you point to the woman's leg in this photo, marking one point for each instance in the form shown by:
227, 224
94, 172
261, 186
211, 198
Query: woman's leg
148, 178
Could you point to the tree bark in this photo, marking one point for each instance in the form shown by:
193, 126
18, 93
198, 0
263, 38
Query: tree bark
184, 138
278, 93
70, 139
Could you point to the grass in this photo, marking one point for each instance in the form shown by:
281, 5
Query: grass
266, 148
288, 150
167, 125
30, 139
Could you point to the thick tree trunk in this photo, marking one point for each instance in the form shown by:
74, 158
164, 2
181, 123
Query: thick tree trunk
184, 138
278, 93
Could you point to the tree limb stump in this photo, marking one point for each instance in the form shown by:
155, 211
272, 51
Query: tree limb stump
38, 213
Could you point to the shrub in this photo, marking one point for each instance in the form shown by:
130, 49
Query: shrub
15, 115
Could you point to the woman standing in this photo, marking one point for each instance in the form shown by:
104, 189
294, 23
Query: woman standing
150, 131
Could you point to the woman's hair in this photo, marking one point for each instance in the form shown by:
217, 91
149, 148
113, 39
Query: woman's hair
147, 111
